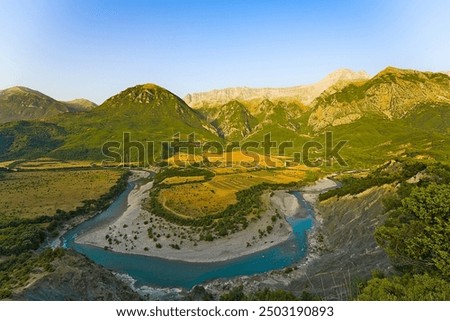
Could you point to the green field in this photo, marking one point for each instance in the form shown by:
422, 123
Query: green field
35, 193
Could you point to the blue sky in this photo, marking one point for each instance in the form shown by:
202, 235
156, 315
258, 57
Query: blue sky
94, 49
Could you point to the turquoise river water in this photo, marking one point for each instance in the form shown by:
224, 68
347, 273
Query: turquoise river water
152, 271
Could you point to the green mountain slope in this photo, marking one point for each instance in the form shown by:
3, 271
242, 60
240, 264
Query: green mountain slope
238, 120
148, 113
283, 120
80, 105
233, 121
21, 103
391, 94
397, 113
25, 139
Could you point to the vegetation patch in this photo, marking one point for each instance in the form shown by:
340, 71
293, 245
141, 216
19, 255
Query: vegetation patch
223, 203
386, 174
17, 270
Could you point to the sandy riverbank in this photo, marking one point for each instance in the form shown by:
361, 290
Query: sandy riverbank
286, 203
77, 220
129, 233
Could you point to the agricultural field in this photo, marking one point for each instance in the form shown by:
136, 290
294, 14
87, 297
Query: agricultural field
234, 159
36, 193
182, 180
49, 163
194, 200
6, 163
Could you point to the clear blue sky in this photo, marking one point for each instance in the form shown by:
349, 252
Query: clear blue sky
94, 49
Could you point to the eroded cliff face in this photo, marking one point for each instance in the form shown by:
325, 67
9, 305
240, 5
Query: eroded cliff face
73, 277
345, 250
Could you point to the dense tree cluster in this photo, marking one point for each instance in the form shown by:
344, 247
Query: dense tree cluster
182, 172
417, 287
417, 234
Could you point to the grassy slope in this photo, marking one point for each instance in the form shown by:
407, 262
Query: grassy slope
373, 140
29, 139
154, 120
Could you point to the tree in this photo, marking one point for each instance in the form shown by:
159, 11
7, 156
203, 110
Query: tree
417, 234
406, 288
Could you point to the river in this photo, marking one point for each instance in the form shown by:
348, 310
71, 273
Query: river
157, 272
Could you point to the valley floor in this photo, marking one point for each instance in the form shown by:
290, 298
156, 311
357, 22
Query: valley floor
129, 233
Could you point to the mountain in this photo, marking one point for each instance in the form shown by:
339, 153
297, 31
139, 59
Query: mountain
397, 113
233, 121
149, 113
391, 94
236, 121
81, 104
29, 139
300, 94
285, 121
21, 103
281, 113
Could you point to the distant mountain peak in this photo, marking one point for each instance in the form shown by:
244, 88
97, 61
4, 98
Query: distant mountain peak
144, 94
303, 94
22, 103
21, 90
151, 86
81, 104
396, 71
345, 73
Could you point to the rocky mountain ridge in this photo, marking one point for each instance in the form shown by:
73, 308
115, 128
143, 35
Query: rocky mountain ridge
304, 94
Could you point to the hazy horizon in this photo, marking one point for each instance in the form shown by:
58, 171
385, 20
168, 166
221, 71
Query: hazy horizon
94, 49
